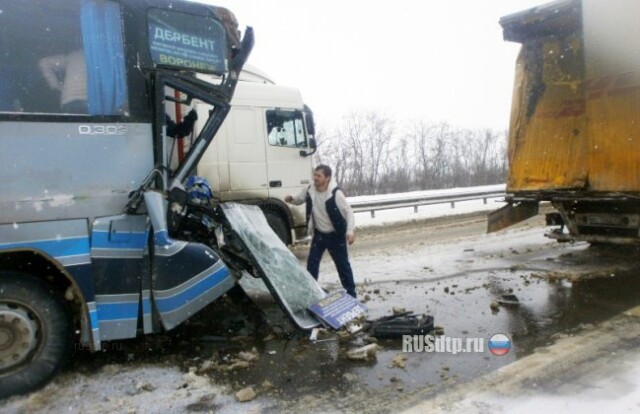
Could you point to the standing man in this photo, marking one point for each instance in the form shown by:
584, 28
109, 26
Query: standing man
333, 224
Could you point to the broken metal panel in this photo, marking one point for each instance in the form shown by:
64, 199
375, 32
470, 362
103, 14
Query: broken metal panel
288, 281
548, 135
576, 98
547, 138
186, 276
511, 214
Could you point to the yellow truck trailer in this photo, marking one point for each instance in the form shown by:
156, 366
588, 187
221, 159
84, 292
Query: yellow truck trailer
574, 137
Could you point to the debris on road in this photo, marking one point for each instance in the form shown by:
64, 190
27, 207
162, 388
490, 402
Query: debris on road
144, 386
315, 332
348, 376
214, 338
236, 365
354, 327
508, 300
266, 385
206, 366
337, 309
405, 323
193, 380
249, 356
246, 394
370, 339
398, 310
364, 353
399, 361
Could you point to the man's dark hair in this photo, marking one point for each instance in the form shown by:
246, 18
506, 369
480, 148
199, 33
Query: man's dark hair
326, 170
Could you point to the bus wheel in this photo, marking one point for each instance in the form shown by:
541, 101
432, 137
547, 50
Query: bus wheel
278, 225
35, 333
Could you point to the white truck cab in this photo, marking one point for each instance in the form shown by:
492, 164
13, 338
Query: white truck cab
262, 151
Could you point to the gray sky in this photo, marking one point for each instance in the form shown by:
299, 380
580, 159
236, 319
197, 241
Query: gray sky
439, 60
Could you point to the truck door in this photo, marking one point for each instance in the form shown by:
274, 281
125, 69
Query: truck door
246, 154
288, 171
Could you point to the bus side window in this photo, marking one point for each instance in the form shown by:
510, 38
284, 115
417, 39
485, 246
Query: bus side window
8, 96
72, 65
67, 75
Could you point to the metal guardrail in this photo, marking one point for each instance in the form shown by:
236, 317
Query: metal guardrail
415, 202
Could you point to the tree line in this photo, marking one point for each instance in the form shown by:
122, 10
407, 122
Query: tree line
371, 153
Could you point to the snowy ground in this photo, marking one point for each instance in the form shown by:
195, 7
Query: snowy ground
595, 372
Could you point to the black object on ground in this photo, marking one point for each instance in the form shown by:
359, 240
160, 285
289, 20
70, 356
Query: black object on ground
403, 324
508, 300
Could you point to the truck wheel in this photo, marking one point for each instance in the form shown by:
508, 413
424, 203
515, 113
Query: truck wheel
35, 333
278, 225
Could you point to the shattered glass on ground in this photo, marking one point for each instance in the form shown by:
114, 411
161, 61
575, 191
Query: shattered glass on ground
287, 279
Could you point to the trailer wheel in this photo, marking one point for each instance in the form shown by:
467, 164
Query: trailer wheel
36, 333
278, 225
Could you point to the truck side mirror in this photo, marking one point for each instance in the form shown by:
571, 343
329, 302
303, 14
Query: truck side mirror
313, 145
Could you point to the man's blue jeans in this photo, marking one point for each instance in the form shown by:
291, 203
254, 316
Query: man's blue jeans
337, 246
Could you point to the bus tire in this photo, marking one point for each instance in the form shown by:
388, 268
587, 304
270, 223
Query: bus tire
278, 225
36, 333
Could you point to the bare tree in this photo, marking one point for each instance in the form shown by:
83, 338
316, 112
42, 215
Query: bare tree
368, 136
481, 156
419, 136
368, 157
432, 145
396, 176
334, 152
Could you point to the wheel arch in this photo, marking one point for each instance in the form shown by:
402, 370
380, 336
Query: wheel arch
273, 204
280, 208
42, 266
277, 206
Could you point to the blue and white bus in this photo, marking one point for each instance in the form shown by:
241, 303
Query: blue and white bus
87, 252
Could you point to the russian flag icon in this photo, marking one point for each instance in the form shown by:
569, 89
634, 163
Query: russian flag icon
499, 344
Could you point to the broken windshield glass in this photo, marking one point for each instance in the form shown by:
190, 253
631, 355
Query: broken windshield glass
289, 282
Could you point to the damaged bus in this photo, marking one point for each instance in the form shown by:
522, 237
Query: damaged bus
99, 238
